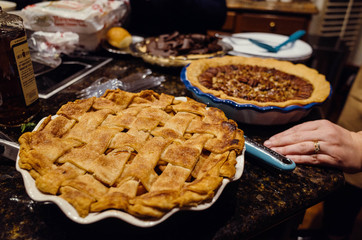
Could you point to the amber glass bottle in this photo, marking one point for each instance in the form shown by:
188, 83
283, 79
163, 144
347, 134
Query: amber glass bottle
19, 101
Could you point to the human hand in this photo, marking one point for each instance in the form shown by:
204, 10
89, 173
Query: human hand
338, 147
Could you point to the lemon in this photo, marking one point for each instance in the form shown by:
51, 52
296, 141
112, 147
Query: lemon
119, 37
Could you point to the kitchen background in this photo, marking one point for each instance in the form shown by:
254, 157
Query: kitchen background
332, 19
341, 18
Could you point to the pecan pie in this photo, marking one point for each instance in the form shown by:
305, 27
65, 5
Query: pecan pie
142, 153
262, 82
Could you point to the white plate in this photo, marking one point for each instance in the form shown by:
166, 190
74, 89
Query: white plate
7, 6
110, 48
299, 50
71, 213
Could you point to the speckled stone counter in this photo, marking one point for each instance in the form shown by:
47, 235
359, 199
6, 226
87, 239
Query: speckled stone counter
260, 200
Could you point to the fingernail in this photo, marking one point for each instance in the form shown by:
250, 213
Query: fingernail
267, 143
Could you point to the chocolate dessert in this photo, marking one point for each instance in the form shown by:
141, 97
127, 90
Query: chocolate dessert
177, 50
177, 44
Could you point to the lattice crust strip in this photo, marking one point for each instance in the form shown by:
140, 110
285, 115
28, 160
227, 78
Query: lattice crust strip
142, 153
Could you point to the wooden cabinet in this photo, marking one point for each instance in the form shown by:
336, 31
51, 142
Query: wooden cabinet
272, 17
257, 22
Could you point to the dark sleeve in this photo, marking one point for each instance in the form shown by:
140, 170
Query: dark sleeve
154, 17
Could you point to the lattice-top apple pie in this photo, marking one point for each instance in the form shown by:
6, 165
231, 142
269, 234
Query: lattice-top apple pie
142, 153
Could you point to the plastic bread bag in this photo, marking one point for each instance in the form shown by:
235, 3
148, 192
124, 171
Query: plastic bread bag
54, 43
88, 18
46, 47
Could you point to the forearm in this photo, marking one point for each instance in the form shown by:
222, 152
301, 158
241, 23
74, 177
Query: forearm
357, 139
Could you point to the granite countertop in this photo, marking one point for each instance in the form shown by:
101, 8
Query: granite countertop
261, 199
296, 7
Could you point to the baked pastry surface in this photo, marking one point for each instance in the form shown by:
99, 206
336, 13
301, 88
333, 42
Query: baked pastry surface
259, 81
142, 153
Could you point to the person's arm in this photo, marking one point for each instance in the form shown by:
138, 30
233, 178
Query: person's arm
320, 142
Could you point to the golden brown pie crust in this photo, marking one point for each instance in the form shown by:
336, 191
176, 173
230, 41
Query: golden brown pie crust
142, 153
321, 87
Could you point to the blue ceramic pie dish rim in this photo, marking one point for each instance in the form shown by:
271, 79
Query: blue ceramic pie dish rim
236, 105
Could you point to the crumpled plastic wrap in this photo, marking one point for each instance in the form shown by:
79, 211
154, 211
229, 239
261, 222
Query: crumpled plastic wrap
54, 43
88, 18
132, 83
46, 47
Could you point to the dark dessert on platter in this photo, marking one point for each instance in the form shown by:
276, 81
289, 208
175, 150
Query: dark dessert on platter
177, 44
179, 49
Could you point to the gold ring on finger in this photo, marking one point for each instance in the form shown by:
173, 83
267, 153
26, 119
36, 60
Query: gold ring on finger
317, 147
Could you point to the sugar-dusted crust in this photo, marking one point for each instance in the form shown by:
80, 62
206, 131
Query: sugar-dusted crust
320, 84
142, 153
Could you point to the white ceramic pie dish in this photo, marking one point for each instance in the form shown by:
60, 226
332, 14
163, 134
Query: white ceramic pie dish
8, 6
249, 113
111, 49
71, 213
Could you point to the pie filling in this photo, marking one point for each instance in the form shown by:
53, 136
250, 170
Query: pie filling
257, 83
142, 153
262, 82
